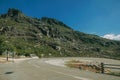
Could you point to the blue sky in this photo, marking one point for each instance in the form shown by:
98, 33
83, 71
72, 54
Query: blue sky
98, 17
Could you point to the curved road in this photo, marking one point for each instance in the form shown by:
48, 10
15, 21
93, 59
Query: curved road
38, 69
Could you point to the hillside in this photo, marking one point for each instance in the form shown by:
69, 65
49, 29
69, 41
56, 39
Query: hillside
50, 38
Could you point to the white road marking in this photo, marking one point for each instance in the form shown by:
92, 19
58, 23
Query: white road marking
81, 78
77, 77
57, 62
36, 66
33, 64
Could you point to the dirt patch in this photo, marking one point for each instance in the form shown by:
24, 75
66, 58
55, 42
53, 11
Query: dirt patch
11, 60
3, 60
86, 65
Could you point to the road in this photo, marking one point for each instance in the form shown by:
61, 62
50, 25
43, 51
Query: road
38, 69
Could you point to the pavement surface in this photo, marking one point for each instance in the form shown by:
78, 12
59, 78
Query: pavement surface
38, 69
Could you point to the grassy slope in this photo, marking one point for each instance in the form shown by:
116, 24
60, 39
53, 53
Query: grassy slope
42, 36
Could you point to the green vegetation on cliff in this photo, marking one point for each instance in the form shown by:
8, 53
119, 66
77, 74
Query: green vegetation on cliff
50, 38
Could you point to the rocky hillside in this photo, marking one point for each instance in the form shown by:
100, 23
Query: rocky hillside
50, 38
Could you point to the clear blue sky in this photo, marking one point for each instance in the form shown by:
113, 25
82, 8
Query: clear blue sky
98, 17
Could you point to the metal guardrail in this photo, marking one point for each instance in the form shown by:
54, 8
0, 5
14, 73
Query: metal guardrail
110, 66
113, 64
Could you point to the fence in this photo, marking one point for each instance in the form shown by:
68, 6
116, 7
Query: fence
110, 66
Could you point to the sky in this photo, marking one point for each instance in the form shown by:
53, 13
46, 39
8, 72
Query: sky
99, 17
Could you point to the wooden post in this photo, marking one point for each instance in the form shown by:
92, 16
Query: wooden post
7, 56
13, 56
102, 67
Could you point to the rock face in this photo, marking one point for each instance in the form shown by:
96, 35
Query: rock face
13, 13
27, 35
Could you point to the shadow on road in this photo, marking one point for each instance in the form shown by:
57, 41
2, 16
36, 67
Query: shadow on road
8, 72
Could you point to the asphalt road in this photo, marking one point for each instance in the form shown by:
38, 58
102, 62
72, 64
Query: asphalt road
37, 69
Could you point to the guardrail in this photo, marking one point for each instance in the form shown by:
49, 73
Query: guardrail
110, 66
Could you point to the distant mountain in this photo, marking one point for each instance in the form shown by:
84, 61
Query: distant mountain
49, 37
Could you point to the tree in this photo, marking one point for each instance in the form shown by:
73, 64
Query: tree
1, 45
5, 45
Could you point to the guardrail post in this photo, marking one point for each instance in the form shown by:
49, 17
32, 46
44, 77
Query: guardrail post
102, 67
